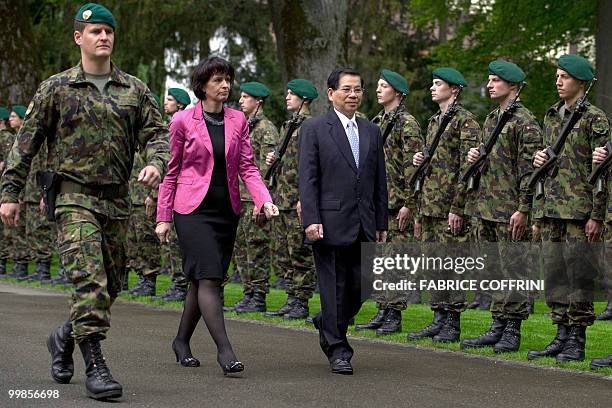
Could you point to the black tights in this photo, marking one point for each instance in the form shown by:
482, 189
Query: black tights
204, 299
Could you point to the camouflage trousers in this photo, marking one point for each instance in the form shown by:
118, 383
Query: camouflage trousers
16, 239
92, 252
252, 253
570, 271
436, 230
173, 257
143, 249
607, 271
40, 234
293, 260
396, 300
4, 249
504, 264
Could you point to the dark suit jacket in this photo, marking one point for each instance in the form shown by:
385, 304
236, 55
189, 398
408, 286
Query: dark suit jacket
333, 192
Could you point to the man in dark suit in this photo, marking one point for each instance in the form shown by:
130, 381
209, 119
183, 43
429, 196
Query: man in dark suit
343, 196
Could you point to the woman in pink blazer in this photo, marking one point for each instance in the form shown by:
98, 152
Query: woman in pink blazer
210, 148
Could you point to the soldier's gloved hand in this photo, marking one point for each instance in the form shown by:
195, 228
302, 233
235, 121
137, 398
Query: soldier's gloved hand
403, 216
599, 155
163, 231
540, 158
149, 206
149, 176
473, 155
270, 158
9, 212
417, 159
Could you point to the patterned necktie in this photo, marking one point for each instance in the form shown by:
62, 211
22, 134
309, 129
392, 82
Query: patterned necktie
353, 140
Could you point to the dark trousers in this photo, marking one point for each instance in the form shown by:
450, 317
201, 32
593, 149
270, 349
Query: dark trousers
339, 274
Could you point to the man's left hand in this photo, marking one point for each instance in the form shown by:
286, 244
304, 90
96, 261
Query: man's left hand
518, 222
592, 229
403, 217
149, 176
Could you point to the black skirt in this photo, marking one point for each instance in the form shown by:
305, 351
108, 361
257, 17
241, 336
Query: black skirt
206, 236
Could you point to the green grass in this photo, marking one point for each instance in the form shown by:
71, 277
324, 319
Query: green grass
536, 332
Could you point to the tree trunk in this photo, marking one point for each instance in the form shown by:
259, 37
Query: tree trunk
604, 57
18, 67
311, 40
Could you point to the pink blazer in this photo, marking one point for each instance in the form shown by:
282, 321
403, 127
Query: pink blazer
191, 163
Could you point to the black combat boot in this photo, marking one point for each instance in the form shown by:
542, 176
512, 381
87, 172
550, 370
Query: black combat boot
145, 287
451, 329
607, 313
573, 350
174, 293
392, 323
554, 347
375, 322
44, 271
432, 329
279, 284
284, 309
20, 270
489, 338
299, 310
60, 344
511, 339
485, 302
100, 383
246, 298
2, 267
531, 305
257, 303
597, 363
476, 302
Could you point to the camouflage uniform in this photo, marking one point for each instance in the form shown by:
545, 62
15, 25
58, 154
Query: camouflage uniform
568, 204
6, 141
252, 246
294, 259
401, 144
91, 138
442, 193
503, 190
143, 250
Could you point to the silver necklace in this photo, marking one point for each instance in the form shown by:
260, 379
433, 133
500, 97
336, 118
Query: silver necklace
211, 120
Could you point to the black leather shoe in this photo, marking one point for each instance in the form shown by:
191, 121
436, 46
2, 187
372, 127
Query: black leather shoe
299, 310
231, 367
489, 338
607, 313
451, 329
375, 322
573, 349
60, 344
100, 384
257, 303
283, 309
511, 338
392, 323
185, 358
432, 329
597, 363
246, 298
145, 286
554, 347
341, 366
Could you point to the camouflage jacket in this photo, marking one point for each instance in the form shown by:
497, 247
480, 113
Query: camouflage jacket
138, 191
442, 192
264, 138
503, 185
285, 192
91, 136
401, 144
32, 192
6, 142
569, 195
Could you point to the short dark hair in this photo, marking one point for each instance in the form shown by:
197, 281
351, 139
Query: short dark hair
205, 70
79, 26
333, 80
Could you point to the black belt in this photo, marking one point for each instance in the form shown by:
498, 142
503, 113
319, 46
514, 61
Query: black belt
105, 192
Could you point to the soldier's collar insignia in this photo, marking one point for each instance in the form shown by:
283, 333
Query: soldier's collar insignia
86, 15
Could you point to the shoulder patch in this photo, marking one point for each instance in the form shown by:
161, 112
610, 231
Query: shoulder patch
30, 107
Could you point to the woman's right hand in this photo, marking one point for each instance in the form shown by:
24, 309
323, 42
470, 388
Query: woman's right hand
163, 231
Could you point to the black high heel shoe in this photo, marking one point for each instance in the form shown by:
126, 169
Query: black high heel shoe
231, 367
187, 360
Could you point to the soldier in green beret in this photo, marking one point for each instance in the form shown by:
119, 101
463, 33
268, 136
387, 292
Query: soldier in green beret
442, 218
401, 141
293, 259
570, 214
252, 246
502, 200
176, 100
91, 146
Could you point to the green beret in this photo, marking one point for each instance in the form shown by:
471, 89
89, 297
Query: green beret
507, 71
180, 95
450, 75
576, 66
20, 110
95, 13
394, 79
303, 88
4, 113
256, 89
